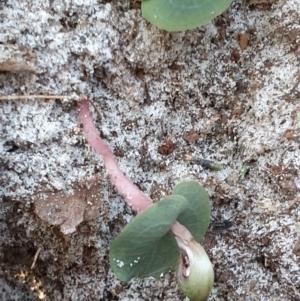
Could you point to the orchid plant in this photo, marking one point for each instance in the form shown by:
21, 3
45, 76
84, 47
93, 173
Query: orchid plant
164, 235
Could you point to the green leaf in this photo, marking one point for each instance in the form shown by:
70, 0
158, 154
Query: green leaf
196, 217
146, 247
177, 15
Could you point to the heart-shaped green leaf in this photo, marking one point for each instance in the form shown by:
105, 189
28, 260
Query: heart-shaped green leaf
196, 217
146, 247
177, 15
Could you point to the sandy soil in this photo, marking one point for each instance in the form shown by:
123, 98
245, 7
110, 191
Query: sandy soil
227, 92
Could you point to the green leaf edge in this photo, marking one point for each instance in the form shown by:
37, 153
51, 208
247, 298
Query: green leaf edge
196, 218
121, 246
163, 16
186, 215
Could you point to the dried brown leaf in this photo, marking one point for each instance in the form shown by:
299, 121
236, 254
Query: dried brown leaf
243, 41
68, 211
13, 59
191, 136
167, 147
292, 134
294, 201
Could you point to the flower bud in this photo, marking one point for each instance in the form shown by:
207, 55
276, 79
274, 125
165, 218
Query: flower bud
195, 272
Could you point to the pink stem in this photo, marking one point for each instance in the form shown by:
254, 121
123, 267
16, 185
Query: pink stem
134, 197
182, 232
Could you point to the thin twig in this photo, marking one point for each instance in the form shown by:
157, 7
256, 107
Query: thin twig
22, 97
204, 163
96, 109
35, 257
294, 87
